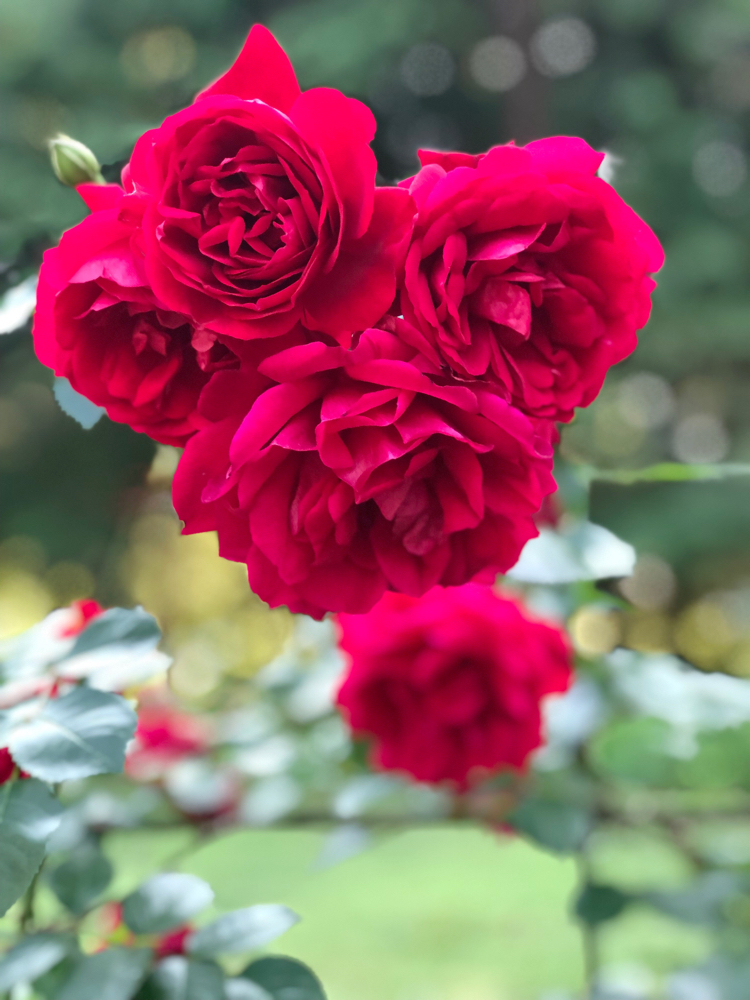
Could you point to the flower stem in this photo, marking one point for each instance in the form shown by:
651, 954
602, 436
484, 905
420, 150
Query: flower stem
589, 933
27, 912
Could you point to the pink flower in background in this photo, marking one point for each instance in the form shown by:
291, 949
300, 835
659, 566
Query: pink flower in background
528, 270
98, 324
338, 474
260, 205
164, 736
450, 686
80, 613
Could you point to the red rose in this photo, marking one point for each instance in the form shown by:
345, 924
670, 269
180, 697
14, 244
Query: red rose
7, 765
261, 207
527, 269
450, 685
98, 324
336, 475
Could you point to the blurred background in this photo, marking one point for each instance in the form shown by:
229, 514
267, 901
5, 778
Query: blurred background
664, 87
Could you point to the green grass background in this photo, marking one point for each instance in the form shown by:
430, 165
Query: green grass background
438, 914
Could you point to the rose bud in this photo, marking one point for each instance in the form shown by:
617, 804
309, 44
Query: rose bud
73, 162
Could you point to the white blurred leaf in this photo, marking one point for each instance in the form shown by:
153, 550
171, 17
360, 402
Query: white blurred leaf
198, 788
242, 930
360, 792
584, 552
17, 305
270, 799
663, 687
343, 843
82, 410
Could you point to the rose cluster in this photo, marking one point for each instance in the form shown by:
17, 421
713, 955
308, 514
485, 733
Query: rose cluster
365, 379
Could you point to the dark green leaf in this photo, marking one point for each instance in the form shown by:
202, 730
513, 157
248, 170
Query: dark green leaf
559, 826
29, 814
179, 978
82, 733
599, 903
79, 880
166, 901
114, 974
32, 957
86, 413
242, 930
285, 979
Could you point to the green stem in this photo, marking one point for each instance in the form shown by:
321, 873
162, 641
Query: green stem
27, 913
589, 933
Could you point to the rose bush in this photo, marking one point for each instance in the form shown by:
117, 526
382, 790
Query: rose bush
338, 474
528, 270
99, 325
450, 686
260, 206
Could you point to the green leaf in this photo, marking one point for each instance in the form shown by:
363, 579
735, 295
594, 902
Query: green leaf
559, 826
114, 974
242, 930
599, 903
635, 750
79, 880
666, 472
32, 957
118, 626
179, 978
285, 979
82, 733
702, 902
166, 901
243, 989
82, 410
29, 814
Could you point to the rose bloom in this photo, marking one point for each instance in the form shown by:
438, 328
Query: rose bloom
528, 270
98, 324
338, 474
260, 206
449, 686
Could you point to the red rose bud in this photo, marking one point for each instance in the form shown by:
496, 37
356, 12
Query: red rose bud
450, 686
172, 943
73, 163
